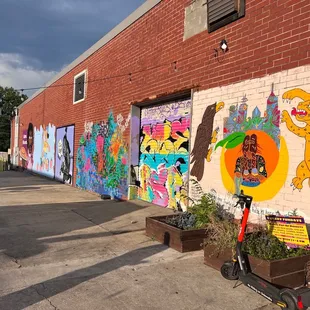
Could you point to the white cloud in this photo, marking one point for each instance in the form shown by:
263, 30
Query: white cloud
18, 72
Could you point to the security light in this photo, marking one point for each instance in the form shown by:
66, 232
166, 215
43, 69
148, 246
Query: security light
224, 46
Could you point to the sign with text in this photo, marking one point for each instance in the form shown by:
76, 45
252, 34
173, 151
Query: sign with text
290, 229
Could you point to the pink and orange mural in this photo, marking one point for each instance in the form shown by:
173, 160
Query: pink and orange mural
27, 149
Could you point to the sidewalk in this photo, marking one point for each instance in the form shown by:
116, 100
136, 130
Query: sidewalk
62, 248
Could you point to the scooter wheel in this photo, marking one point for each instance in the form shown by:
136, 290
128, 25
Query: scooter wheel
290, 301
227, 271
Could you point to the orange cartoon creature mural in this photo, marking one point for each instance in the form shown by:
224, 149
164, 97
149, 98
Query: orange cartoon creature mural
301, 114
254, 155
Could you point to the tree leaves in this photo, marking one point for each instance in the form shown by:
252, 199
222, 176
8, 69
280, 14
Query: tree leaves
9, 100
232, 140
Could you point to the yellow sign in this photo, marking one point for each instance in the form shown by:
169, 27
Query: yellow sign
290, 229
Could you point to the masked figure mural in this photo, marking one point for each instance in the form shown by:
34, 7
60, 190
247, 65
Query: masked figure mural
254, 154
250, 168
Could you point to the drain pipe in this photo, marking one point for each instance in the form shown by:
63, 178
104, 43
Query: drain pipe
16, 140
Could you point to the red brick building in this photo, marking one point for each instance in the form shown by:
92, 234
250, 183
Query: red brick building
128, 110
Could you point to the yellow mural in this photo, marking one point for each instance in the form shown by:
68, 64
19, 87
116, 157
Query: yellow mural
301, 114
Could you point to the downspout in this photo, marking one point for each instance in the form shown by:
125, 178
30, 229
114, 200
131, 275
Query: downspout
16, 139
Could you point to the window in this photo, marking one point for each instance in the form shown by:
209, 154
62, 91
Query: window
223, 12
79, 90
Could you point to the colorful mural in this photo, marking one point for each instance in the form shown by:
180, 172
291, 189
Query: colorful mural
254, 154
23, 153
102, 163
301, 114
164, 154
44, 150
206, 137
26, 151
64, 152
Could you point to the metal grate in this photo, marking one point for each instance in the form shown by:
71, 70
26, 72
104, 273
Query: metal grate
219, 9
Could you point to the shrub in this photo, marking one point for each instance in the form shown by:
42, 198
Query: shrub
262, 244
222, 234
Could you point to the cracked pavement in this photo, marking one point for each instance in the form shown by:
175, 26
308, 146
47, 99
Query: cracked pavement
63, 248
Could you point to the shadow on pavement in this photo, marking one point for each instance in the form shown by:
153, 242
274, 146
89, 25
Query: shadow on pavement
33, 294
20, 188
15, 178
21, 227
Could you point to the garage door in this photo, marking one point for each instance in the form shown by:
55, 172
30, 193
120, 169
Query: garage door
164, 153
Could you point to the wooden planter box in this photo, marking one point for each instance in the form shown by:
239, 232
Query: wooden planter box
178, 239
287, 272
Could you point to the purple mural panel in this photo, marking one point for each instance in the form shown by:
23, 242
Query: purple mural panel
135, 135
64, 154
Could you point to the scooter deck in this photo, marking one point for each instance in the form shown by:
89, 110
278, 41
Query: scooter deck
261, 287
304, 293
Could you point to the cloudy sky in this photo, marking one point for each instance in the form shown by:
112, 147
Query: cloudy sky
40, 37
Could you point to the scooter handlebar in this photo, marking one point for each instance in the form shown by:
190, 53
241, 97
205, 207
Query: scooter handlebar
242, 199
239, 202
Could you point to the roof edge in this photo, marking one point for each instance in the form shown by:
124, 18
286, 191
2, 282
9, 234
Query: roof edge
128, 21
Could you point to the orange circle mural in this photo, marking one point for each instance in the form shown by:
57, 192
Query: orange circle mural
276, 164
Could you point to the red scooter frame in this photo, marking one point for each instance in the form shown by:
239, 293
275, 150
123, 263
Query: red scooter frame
285, 298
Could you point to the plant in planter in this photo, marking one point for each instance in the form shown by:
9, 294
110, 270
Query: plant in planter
269, 257
185, 231
262, 244
201, 211
221, 242
197, 216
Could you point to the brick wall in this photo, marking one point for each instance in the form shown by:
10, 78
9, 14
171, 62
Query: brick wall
276, 193
272, 37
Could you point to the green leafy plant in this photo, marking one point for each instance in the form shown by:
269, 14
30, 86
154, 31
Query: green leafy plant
197, 216
200, 212
203, 210
262, 244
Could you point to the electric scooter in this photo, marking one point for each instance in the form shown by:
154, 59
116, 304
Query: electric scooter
285, 298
